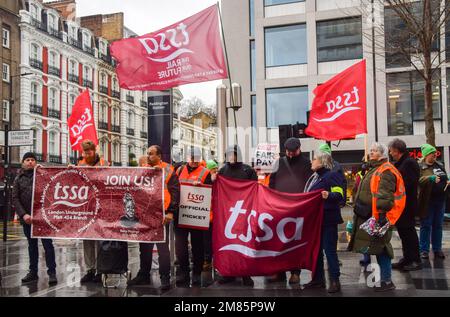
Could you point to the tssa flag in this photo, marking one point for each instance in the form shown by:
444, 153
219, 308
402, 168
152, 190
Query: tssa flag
81, 122
339, 109
258, 231
189, 51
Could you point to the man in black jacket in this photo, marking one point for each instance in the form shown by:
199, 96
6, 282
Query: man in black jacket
234, 168
410, 171
290, 176
22, 196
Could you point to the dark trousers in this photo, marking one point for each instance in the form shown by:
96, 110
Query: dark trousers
410, 244
182, 252
329, 246
146, 257
207, 244
33, 252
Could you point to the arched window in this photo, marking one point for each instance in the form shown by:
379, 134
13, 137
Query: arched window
35, 94
34, 52
72, 98
53, 99
34, 12
53, 59
52, 143
115, 118
130, 120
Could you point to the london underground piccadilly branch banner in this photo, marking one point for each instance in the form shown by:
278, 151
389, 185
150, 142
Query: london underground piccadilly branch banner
258, 231
90, 203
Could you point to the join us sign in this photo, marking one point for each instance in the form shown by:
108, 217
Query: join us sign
124, 204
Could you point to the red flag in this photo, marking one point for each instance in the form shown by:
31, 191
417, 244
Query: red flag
81, 122
339, 110
189, 51
258, 231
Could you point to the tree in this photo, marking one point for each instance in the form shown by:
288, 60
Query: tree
194, 105
412, 36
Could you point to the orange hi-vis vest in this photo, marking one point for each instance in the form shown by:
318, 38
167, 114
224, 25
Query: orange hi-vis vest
197, 175
83, 163
399, 197
264, 180
168, 171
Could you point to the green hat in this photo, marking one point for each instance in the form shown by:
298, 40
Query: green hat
427, 149
211, 164
325, 148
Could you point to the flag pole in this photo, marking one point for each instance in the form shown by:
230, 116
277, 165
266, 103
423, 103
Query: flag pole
229, 75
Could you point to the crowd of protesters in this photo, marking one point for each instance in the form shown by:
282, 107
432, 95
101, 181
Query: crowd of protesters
391, 193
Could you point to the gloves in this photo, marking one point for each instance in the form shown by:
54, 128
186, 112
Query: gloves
382, 219
433, 178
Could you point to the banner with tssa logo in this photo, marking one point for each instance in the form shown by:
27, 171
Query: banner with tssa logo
93, 203
195, 206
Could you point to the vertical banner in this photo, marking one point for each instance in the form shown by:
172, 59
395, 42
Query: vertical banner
160, 123
195, 206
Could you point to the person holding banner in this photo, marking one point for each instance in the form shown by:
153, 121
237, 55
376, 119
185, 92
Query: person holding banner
191, 174
22, 198
171, 200
332, 186
90, 158
381, 195
234, 168
207, 235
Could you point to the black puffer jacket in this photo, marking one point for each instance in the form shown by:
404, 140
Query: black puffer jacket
22, 193
291, 174
238, 171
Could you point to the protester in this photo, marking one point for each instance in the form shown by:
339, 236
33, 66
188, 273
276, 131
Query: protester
432, 184
191, 174
290, 175
234, 168
324, 147
90, 158
380, 195
171, 202
143, 161
213, 167
410, 171
331, 183
22, 200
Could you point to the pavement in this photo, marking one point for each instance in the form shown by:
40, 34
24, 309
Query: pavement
433, 280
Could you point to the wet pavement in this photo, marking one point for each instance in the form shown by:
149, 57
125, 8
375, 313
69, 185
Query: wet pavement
432, 280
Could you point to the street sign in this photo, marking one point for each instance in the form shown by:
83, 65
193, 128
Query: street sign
2, 138
20, 138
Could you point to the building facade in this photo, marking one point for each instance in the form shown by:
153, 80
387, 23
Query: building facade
281, 50
66, 58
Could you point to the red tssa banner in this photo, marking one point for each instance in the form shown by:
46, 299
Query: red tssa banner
339, 109
124, 204
258, 231
189, 51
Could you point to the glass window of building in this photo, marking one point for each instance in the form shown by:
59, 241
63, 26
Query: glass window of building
252, 17
406, 101
286, 45
5, 38
447, 41
253, 65
5, 73
52, 99
254, 122
5, 110
448, 96
339, 40
34, 94
52, 59
277, 2
286, 106
34, 54
34, 12
52, 143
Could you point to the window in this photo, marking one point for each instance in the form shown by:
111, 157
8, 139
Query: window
277, 2
104, 148
5, 72
5, 38
34, 12
35, 141
73, 68
115, 116
53, 59
448, 96
253, 66
116, 157
34, 53
87, 73
447, 41
86, 40
103, 79
254, 123
143, 125
74, 34
53, 99
71, 103
286, 45
406, 101
115, 87
5, 110
34, 94
252, 17
52, 143
130, 120
52, 22
286, 106
339, 40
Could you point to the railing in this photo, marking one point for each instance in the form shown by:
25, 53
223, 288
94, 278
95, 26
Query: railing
103, 125
55, 33
52, 113
36, 109
115, 128
130, 131
143, 103
73, 160
75, 42
39, 157
74, 78
144, 135
38, 24
52, 70
55, 159
89, 50
88, 83
36, 63
130, 98
115, 94
105, 58
117, 164
103, 89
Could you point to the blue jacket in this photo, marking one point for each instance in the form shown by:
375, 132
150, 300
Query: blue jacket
332, 182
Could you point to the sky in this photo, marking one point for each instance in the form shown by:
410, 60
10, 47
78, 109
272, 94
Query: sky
145, 16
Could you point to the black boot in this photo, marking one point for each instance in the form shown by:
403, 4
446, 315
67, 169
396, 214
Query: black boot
88, 278
30, 277
183, 279
165, 282
140, 279
335, 286
52, 280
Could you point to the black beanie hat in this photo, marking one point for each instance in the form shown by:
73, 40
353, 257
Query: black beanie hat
29, 155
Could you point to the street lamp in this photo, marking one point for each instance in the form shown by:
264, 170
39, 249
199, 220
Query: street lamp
235, 94
8, 156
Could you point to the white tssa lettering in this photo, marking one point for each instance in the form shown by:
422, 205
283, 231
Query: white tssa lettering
71, 192
334, 105
78, 128
152, 45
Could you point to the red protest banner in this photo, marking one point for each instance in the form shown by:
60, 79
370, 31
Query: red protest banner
81, 123
189, 51
124, 204
338, 111
259, 231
